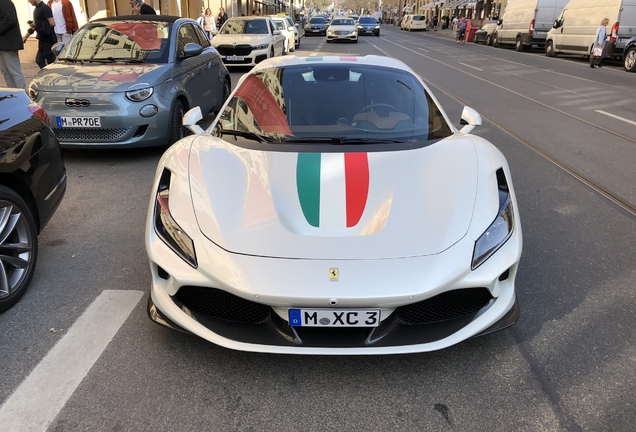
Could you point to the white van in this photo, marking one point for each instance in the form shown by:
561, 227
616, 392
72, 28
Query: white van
526, 22
575, 29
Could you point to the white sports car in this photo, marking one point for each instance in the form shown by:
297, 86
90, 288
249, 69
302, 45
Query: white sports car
333, 208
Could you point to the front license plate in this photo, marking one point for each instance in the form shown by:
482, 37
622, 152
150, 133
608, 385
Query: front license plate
623, 40
83, 122
369, 31
542, 33
315, 31
334, 317
234, 58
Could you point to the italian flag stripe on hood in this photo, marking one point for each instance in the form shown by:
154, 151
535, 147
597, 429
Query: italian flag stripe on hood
332, 188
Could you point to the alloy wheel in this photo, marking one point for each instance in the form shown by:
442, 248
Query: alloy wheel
630, 60
16, 248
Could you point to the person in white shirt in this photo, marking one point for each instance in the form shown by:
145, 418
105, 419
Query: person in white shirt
65, 19
208, 23
455, 21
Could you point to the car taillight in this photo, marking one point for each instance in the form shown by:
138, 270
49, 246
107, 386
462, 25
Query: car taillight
531, 29
614, 32
37, 111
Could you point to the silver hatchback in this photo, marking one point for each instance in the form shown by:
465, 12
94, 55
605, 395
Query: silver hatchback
127, 82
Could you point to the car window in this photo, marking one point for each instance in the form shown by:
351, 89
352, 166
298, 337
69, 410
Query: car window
272, 26
280, 24
237, 26
367, 21
120, 40
341, 22
203, 39
290, 22
186, 35
335, 100
317, 21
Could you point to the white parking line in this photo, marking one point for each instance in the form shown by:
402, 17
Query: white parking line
41, 396
467, 65
616, 117
313, 54
422, 49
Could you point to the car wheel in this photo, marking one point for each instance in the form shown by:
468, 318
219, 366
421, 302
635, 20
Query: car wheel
177, 130
19, 246
355, 40
518, 44
495, 40
227, 89
475, 39
489, 40
630, 60
297, 44
378, 35
271, 53
549, 49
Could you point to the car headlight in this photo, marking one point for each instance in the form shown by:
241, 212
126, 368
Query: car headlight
360, 28
33, 92
167, 228
377, 27
500, 230
261, 47
139, 95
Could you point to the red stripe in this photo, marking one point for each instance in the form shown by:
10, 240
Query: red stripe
357, 186
351, 59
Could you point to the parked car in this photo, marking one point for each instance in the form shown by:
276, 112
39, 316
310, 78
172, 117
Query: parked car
526, 22
343, 29
247, 41
127, 81
287, 29
485, 33
274, 230
32, 185
575, 29
316, 26
416, 22
368, 26
404, 22
298, 31
629, 55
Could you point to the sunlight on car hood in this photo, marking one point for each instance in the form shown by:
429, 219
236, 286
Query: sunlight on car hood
362, 205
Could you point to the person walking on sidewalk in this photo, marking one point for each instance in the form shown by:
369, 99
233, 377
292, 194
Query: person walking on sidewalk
65, 19
43, 23
435, 23
221, 18
10, 44
141, 8
455, 22
598, 49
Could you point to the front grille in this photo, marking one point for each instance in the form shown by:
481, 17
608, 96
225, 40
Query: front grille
231, 50
341, 32
444, 307
219, 304
87, 135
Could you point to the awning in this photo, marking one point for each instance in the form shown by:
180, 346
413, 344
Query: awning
458, 4
428, 5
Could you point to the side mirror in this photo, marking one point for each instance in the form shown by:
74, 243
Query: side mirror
191, 118
57, 48
471, 119
191, 50
276, 32
557, 24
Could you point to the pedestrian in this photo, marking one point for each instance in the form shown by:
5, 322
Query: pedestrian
65, 19
435, 23
455, 22
43, 23
461, 33
208, 24
598, 49
10, 43
141, 8
221, 18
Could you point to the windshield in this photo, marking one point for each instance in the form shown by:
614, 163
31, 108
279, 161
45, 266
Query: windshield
317, 21
342, 22
327, 101
134, 41
419, 18
257, 26
367, 21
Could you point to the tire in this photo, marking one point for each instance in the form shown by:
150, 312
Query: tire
177, 131
227, 89
518, 44
272, 54
495, 40
378, 35
355, 41
629, 64
475, 39
19, 263
489, 40
549, 49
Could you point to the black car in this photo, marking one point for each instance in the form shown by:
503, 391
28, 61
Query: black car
368, 26
32, 184
629, 55
316, 26
485, 33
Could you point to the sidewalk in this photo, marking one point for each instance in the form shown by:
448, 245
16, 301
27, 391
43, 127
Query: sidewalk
28, 69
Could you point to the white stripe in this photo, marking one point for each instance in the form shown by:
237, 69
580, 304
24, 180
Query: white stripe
616, 117
333, 205
41, 396
467, 65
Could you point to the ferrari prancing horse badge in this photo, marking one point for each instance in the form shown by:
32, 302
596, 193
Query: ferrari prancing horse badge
333, 274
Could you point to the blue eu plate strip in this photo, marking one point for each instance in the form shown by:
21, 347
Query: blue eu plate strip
294, 318
59, 121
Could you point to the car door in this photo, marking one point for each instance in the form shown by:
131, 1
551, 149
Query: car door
278, 40
190, 72
212, 90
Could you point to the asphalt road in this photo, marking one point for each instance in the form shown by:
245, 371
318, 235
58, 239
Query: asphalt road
568, 364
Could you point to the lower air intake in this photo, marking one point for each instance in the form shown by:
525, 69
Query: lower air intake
444, 307
219, 304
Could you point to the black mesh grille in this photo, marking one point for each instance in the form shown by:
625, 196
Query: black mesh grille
222, 305
96, 134
444, 307
231, 50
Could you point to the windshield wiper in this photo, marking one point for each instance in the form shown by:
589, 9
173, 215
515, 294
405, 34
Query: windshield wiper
244, 134
72, 60
341, 140
113, 60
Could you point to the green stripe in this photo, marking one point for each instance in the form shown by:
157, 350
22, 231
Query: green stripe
308, 184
